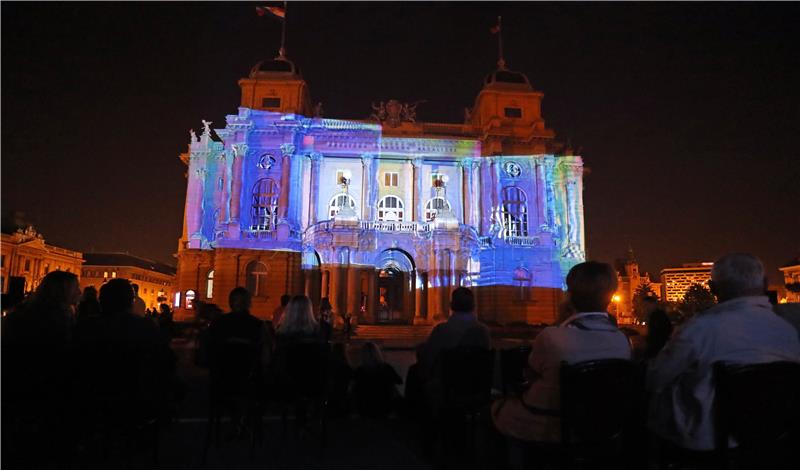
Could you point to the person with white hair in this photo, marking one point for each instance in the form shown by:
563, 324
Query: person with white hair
741, 328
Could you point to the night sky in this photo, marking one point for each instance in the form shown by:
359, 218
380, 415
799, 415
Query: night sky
688, 115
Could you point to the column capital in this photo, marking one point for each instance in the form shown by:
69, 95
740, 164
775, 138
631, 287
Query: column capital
287, 150
417, 162
239, 150
367, 158
464, 163
315, 157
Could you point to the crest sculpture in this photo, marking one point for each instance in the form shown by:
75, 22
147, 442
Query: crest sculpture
393, 112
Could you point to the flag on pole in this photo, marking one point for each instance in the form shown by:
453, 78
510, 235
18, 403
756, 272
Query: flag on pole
280, 12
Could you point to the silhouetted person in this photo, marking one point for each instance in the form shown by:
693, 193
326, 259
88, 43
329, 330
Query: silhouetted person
277, 314
138, 303
374, 384
236, 342
165, 323
659, 328
89, 306
462, 328
298, 323
126, 371
339, 376
36, 371
585, 335
741, 328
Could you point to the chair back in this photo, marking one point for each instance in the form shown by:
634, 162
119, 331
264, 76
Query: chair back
598, 400
756, 404
467, 376
513, 363
235, 368
303, 368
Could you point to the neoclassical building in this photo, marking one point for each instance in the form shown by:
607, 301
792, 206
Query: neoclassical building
386, 215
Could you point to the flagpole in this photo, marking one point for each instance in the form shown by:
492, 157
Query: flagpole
501, 63
282, 50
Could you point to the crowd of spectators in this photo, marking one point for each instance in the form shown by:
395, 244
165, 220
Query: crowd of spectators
106, 350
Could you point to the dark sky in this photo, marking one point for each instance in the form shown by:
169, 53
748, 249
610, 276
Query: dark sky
688, 114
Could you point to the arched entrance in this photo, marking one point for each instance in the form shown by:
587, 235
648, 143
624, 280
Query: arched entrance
395, 271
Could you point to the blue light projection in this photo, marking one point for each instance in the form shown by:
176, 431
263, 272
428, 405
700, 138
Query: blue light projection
273, 183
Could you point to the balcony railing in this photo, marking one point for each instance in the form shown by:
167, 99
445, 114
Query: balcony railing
394, 226
522, 241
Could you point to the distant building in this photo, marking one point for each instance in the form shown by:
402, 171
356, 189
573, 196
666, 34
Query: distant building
629, 279
26, 259
156, 280
791, 279
677, 280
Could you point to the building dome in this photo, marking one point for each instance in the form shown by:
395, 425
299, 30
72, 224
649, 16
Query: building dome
278, 67
505, 78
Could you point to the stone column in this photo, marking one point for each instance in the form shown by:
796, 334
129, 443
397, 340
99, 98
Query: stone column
194, 204
353, 291
549, 164
372, 276
313, 204
475, 194
541, 196
486, 191
286, 180
220, 190
466, 191
368, 201
418, 299
419, 214
239, 153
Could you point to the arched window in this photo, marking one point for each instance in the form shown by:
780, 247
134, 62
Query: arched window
256, 274
435, 205
264, 211
210, 285
390, 208
338, 201
514, 212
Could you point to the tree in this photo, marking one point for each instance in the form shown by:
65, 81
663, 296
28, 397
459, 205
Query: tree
697, 299
642, 292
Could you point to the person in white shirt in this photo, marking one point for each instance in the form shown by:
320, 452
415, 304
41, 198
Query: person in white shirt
741, 329
587, 334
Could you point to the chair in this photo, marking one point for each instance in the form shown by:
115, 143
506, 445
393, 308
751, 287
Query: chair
301, 370
466, 386
758, 405
513, 363
234, 379
599, 400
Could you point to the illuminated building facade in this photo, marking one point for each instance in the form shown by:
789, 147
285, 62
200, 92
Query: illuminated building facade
791, 280
26, 257
384, 216
156, 280
677, 280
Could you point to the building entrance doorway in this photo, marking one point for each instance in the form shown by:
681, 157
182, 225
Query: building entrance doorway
395, 288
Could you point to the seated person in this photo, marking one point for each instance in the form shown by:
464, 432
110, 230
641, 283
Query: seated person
236, 344
298, 323
659, 328
462, 329
374, 383
277, 314
741, 329
585, 335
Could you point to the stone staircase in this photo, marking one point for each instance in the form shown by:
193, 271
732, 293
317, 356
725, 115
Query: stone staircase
406, 336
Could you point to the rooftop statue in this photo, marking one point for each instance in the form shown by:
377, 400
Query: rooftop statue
393, 112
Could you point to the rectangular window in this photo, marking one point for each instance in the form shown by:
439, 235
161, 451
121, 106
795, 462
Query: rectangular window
271, 103
390, 179
513, 112
27, 265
